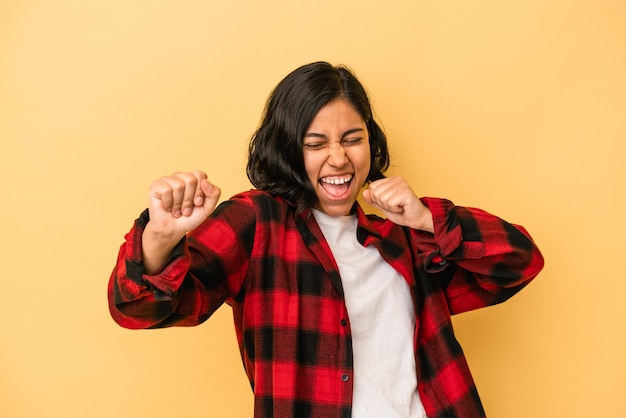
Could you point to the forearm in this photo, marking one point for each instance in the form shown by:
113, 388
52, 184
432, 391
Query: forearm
138, 299
486, 259
156, 250
181, 284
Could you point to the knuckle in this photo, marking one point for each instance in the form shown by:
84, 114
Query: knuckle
177, 184
199, 174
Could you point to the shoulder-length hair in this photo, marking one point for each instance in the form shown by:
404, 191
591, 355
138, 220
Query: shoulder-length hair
275, 154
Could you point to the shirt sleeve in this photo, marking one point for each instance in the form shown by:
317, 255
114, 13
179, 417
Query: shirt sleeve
206, 268
479, 258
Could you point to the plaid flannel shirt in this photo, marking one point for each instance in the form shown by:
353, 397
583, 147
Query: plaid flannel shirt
275, 269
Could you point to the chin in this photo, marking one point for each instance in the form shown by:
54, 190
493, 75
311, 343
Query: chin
336, 210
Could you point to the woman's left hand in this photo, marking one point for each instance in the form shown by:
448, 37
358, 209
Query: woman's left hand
395, 198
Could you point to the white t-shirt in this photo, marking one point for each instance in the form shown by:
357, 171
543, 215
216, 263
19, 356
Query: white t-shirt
382, 320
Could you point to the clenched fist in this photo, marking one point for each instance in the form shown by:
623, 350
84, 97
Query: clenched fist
178, 204
395, 198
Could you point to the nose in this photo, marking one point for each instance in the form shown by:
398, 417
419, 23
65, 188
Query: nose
337, 155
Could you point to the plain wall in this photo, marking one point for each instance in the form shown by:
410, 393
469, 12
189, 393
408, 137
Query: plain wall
517, 107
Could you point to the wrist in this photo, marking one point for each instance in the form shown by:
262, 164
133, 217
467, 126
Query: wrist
156, 248
425, 221
157, 236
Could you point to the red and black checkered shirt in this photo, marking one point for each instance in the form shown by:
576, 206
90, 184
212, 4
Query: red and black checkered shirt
275, 269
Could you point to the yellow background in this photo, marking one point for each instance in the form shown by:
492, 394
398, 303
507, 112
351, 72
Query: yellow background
517, 107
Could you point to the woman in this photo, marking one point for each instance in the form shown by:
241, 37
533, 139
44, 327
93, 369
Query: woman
337, 313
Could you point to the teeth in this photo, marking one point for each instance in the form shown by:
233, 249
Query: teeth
337, 180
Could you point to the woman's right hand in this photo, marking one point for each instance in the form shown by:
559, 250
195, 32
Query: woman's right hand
179, 203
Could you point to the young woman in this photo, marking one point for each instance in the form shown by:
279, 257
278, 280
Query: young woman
337, 313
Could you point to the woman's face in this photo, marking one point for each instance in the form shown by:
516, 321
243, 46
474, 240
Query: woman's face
337, 156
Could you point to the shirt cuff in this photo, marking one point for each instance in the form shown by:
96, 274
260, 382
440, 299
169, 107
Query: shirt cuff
446, 243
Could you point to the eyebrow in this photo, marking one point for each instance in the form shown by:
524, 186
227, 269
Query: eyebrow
323, 136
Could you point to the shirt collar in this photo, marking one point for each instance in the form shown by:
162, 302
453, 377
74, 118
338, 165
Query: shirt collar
368, 227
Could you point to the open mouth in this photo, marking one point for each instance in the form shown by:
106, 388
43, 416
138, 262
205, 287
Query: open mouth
336, 186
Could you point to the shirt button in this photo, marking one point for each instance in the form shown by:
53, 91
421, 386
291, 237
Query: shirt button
345, 377
344, 322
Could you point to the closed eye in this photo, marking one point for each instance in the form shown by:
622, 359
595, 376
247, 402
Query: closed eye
314, 146
351, 141
314, 141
